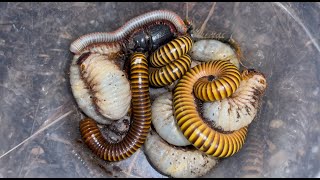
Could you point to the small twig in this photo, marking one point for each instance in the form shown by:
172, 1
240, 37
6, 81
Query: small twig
36, 133
204, 24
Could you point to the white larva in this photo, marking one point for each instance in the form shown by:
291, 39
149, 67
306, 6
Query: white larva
175, 161
239, 109
109, 86
81, 91
82, 94
164, 121
210, 49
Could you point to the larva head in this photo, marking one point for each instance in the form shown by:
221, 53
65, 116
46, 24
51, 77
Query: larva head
255, 78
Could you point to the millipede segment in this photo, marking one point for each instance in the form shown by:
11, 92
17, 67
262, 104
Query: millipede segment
223, 81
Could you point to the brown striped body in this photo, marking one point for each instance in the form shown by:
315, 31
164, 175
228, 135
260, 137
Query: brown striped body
140, 127
191, 124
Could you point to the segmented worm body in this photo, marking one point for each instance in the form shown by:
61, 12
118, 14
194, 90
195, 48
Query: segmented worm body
171, 72
80, 89
241, 107
171, 51
173, 60
188, 119
253, 155
210, 50
109, 86
140, 127
164, 121
83, 41
177, 162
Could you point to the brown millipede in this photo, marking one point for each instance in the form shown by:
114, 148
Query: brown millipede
79, 44
191, 124
140, 127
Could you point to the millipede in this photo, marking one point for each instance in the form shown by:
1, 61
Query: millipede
241, 107
188, 119
102, 37
211, 89
171, 51
141, 123
173, 60
171, 72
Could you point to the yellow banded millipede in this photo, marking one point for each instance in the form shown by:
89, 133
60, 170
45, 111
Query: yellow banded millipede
220, 88
173, 60
188, 119
171, 51
171, 72
140, 127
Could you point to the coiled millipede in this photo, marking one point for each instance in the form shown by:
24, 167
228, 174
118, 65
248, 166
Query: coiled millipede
119, 34
188, 119
141, 123
173, 60
207, 90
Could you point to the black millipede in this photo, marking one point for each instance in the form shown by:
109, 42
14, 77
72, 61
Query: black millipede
141, 123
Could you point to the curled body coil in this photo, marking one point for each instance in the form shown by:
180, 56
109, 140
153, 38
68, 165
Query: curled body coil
99, 37
241, 107
219, 88
171, 72
171, 51
173, 60
140, 127
191, 124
